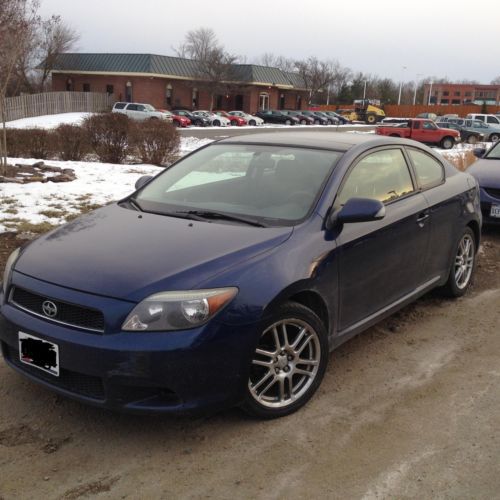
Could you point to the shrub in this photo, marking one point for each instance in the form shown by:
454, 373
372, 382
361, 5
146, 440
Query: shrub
30, 143
71, 142
155, 141
107, 135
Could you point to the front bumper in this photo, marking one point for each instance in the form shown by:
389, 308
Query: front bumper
203, 369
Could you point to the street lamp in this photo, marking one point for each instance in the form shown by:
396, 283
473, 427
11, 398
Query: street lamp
364, 90
430, 93
401, 87
416, 87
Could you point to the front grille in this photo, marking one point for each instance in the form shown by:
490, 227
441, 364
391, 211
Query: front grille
493, 192
69, 314
77, 383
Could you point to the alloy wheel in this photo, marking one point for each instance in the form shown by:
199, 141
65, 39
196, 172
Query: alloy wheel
464, 261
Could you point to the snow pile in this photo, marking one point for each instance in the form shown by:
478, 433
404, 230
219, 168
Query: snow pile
49, 121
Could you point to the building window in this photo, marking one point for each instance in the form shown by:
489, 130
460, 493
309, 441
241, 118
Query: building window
457, 93
218, 102
128, 92
282, 101
299, 102
446, 92
110, 89
445, 101
468, 94
86, 87
69, 85
455, 101
168, 94
263, 101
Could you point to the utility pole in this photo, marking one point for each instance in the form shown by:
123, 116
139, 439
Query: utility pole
401, 86
430, 93
416, 87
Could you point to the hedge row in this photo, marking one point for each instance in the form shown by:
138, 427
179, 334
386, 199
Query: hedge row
112, 137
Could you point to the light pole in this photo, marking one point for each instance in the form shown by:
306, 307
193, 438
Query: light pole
364, 90
430, 93
416, 87
401, 87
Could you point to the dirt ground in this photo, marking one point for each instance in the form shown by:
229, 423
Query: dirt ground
409, 409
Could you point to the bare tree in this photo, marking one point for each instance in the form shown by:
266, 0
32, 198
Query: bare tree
273, 61
214, 66
18, 19
317, 75
495, 81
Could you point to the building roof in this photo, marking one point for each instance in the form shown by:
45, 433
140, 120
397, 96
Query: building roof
173, 67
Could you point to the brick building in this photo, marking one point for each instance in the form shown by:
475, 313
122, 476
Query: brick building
170, 82
458, 94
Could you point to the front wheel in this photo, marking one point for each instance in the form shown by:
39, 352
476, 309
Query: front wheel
216, 123
472, 139
463, 266
252, 123
288, 122
447, 142
494, 137
288, 363
303, 122
371, 119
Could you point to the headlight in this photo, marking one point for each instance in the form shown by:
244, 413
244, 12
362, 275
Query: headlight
8, 269
177, 310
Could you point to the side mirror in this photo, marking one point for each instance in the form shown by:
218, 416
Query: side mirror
141, 181
479, 152
357, 210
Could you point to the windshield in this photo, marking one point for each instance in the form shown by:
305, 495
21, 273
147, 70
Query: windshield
149, 107
494, 152
271, 184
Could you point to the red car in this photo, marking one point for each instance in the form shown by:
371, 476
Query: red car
178, 120
236, 121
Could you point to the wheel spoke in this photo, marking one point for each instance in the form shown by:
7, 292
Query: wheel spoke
300, 336
300, 371
308, 362
262, 380
285, 336
258, 362
458, 275
304, 345
263, 352
268, 386
276, 339
282, 389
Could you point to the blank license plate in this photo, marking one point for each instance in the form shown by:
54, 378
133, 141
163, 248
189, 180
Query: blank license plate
39, 353
495, 211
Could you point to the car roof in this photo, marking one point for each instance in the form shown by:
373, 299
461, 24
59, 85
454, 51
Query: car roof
336, 141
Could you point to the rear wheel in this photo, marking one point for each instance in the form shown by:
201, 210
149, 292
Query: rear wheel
463, 266
252, 123
216, 123
303, 122
288, 364
288, 122
472, 139
494, 137
371, 119
447, 142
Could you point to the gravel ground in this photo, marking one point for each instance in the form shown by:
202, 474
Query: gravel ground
409, 409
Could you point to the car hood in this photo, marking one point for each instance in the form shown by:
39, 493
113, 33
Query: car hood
487, 172
122, 253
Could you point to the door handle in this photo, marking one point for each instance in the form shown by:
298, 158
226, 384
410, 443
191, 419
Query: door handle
422, 217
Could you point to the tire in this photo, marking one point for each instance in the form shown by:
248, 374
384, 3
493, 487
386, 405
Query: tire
316, 122
274, 364
216, 123
252, 123
288, 122
472, 139
234, 123
198, 123
447, 142
371, 119
463, 265
494, 137
303, 122
394, 135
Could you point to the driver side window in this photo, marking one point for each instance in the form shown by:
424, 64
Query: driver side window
382, 176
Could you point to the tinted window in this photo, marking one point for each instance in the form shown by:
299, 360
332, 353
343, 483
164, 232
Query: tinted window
120, 105
429, 171
383, 176
492, 119
141, 108
132, 107
429, 126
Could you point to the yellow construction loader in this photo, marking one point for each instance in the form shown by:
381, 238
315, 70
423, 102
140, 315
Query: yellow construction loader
364, 110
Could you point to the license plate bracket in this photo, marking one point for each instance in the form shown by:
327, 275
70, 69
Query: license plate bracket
495, 211
39, 353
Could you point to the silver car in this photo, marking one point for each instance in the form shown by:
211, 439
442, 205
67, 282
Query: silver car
140, 111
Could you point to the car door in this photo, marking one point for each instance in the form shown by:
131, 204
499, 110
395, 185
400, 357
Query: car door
381, 261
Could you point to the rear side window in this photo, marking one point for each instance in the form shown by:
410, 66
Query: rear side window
429, 171
120, 105
492, 119
132, 107
382, 176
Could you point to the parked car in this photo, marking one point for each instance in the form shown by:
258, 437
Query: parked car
318, 119
466, 135
485, 118
330, 119
251, 119
274, 116
236, 121
422, 130
177, 120
487, 173
428, 116
211, 287
197, 121
215, 120
342, 120
490, 132
140, 111
303, 119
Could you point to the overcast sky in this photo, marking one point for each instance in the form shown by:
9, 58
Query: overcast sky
456, 39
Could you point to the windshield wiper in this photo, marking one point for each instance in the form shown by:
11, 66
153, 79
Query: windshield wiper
135, 205
209, 214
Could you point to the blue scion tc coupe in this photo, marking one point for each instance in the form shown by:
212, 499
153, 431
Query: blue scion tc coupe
487, 173
228, 278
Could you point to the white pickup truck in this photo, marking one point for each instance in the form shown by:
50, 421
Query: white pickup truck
140, 111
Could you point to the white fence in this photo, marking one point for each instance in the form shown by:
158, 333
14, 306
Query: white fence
51, 103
